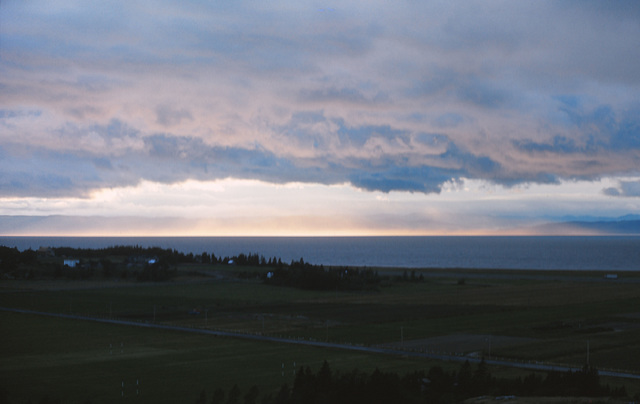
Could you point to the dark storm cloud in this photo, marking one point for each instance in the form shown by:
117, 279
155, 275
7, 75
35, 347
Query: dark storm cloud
601, 129
59, 174
397, 178
558, 144
123, 156
387, 97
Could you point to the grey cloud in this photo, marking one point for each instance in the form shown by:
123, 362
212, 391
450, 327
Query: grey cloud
445, 67
437, 81
448, 120
599, 132
451, 85
625, 189
486, 25
611, 191
168, 116
395, 172
485, 95
83, 112
559, 144
393, 177
342, 95
432, 139
116, 129
168, 158
358, 135
312, 129
45, 173
24, 183
7, 113
103, 163
190, 158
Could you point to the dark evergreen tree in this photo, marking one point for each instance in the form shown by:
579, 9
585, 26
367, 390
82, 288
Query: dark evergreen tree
304, 389
465, 379
202, 399
481, 382
218, 396
234, 395
284, 395
205, 258
252, 395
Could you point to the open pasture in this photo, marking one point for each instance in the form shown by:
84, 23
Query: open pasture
88, 362
543, 319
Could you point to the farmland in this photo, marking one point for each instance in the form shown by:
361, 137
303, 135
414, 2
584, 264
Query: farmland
557, 318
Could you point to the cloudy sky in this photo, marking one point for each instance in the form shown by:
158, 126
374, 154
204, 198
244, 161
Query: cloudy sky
315, 117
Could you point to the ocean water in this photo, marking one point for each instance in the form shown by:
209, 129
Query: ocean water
561, 253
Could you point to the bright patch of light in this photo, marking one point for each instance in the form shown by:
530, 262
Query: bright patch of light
250, 207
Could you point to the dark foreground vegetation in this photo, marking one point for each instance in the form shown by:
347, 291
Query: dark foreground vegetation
435, 386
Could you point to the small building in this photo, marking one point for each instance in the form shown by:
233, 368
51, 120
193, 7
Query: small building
45, 252
71, 263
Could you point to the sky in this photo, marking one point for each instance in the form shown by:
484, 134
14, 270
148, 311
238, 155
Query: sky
316, 117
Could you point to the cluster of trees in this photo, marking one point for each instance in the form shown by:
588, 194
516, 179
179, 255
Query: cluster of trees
117, 261
12, 258
436, 386
132, 254
467, 382
158, 264
253, 260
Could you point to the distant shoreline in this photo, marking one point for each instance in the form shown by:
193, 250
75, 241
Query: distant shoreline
540, 253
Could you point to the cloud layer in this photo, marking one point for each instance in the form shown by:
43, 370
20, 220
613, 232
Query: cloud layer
385, 97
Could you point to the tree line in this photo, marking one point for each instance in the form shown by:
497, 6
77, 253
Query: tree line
159, 264
136, 262
435, 386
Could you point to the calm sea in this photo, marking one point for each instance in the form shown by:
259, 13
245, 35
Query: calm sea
592, 253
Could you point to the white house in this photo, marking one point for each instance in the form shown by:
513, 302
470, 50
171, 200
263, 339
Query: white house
71, 263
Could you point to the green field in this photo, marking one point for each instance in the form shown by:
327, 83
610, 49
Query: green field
535, 319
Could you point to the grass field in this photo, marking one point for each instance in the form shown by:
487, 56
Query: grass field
544, 318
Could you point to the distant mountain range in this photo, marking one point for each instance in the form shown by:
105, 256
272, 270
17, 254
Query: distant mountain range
624, 225
591, 219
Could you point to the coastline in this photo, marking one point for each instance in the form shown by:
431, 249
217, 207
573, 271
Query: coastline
556, 253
